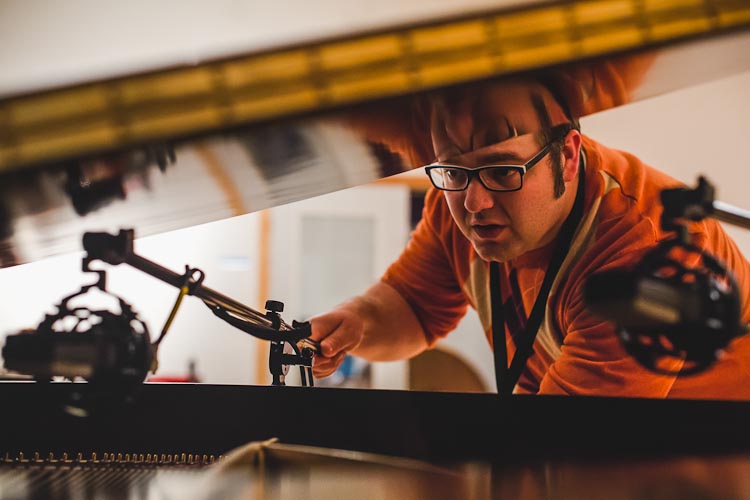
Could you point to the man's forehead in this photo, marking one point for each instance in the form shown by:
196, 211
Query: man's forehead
492, 114
510, 151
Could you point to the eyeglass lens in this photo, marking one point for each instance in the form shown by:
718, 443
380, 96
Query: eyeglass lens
498, 178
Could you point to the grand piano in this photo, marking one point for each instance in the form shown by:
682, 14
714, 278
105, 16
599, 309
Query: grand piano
89, 143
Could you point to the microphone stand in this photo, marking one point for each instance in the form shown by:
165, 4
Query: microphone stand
697, 204
118, 249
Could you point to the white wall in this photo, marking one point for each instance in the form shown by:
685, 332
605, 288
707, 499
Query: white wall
699, 130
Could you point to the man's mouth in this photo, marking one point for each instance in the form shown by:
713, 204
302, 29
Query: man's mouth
488, 231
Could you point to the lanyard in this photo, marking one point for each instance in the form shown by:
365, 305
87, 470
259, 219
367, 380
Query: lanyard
507, 377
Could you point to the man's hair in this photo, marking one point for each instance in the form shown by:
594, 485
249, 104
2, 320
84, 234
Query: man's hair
554, 136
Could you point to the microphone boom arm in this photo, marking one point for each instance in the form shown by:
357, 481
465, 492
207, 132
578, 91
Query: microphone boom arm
118, 249
697, 204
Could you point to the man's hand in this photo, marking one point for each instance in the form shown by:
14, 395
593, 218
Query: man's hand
378, 326
338, 332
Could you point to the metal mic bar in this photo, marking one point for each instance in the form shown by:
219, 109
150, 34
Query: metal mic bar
697, 204
730, 214
118, 249
208, 295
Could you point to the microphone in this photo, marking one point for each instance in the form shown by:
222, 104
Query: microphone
645, 302
110, 352
101, 346
663, 309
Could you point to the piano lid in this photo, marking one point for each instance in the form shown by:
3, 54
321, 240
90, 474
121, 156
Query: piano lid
87, 40
162, 145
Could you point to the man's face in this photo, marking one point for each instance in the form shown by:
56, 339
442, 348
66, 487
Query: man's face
502, 225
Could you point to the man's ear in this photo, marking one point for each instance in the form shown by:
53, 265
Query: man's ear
571, 154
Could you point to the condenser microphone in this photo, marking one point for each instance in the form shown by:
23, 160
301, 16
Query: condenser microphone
648, 303
667, 310
111, 350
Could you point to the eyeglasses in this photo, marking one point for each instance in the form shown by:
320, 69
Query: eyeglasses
492, 177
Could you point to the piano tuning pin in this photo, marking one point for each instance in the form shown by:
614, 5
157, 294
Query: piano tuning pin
79, 457
204, 459
148, 458
141, 459
163, 458
51, 458
21, 457
93, 457
119, 457
183, 458
36, 457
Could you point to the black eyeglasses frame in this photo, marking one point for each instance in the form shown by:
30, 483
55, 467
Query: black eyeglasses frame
522, 169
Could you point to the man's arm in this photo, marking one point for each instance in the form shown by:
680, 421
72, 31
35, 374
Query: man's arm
378, 325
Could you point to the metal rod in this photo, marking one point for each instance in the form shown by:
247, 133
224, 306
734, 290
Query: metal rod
731, 214
211, 297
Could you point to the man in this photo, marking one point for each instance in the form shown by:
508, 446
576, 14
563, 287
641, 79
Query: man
517, 244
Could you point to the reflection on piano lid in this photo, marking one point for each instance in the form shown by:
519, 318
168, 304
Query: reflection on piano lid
261, 129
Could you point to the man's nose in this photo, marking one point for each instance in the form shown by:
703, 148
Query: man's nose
478, 198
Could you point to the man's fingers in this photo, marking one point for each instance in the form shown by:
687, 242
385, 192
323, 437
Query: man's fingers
322, 366
336, 332
323, 325
345, 338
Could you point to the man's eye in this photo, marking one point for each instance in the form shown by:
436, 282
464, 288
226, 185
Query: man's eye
499, 173
452, 173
